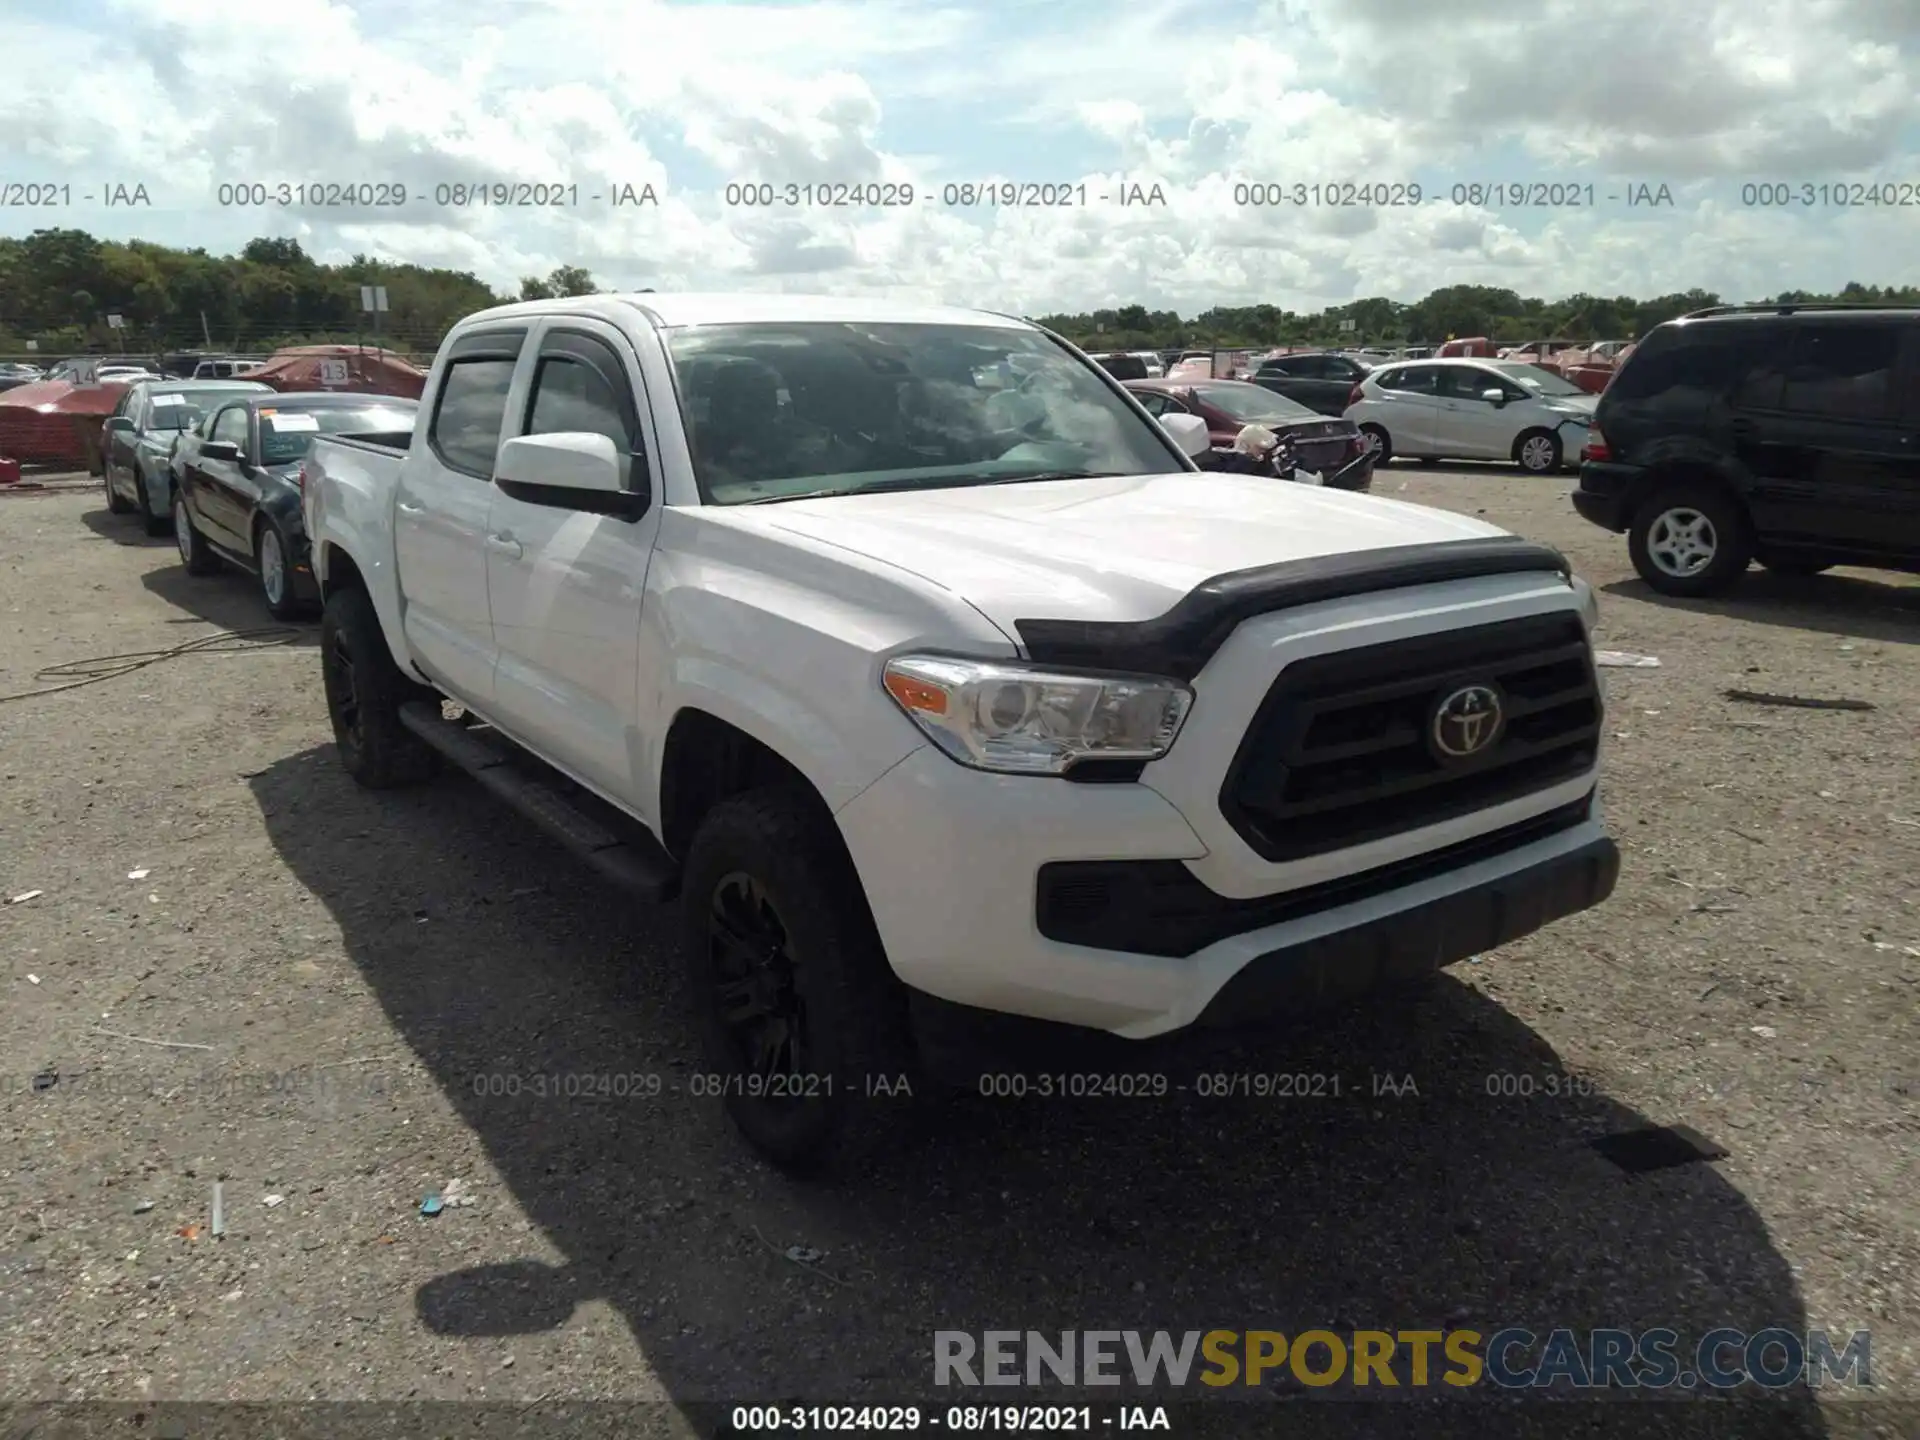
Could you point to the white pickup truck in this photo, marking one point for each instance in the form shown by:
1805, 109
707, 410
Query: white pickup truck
937, 682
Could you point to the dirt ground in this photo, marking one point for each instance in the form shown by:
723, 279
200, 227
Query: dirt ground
240, 969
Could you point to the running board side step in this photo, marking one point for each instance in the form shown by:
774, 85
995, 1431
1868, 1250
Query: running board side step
643, 869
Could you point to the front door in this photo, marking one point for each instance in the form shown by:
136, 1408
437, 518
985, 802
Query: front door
565, 584
218, 485
1468, 425
440, 516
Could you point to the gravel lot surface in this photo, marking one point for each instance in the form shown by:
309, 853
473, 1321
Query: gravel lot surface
350, 985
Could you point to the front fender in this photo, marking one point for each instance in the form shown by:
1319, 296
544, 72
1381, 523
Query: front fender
786, 638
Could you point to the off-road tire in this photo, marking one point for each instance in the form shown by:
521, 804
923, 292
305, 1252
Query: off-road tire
857, 1044
365, 690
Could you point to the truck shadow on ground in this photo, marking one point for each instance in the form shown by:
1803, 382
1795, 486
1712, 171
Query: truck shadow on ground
1430, 1204
1859, 603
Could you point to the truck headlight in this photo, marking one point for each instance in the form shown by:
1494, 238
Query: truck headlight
1017, 719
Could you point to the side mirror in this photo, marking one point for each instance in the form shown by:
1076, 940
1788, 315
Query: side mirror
220, 450
1496, 398
572, 470
1189, 432
119, 425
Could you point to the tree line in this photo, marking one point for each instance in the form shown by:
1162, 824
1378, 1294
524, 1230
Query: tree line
58, 288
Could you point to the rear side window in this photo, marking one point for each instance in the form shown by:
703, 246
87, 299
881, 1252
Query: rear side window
1844, 371
466, 422
1411, 380
471, 408
1699, 358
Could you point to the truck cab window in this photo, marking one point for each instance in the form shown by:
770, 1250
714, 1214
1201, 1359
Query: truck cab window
571, 396
472, 406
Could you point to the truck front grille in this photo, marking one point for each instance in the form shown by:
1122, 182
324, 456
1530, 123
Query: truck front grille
1349, 747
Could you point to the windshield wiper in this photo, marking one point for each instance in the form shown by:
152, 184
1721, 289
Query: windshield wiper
947, 482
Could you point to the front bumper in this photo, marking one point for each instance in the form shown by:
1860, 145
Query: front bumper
952, 858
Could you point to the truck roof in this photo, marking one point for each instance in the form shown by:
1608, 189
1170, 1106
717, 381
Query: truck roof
668, 311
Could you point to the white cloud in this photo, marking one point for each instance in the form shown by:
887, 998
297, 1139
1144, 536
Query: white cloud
1194, 97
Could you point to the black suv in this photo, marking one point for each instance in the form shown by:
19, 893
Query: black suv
1787, 434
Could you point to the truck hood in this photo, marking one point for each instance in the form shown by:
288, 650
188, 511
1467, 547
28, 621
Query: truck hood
1110, 548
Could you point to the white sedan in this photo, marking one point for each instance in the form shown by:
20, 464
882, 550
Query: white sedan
1473, 410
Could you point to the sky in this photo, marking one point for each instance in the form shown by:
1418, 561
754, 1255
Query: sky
1771, 144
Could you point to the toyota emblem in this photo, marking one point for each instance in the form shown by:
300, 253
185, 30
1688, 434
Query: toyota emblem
1467, 722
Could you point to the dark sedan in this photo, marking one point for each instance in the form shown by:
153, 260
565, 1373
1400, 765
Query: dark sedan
1333, 449
141, 435
1321, 381
236, 495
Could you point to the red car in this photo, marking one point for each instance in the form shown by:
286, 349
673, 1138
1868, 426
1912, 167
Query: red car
1326, 444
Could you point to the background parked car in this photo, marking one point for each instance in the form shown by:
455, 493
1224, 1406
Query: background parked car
237, 484
1320, 380
1473, 410
224, 369
140, 437
1783, 434
1122, 365
1334, 449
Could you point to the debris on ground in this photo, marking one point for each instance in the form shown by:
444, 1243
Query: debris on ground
219, 1211
455, 1192
1765, 1032
432, 1204
270, 1201
190, 1232
30, 895
1625, 660
804, 1255
46, 1080
143, 1040
33, 979
1797, 702
138, 874
143, 1207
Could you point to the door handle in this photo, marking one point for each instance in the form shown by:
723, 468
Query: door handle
506, 544
409, 509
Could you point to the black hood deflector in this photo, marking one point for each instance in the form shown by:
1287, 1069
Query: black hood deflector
1180, 642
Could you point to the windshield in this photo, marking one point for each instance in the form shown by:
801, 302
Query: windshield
1540, 382
1250, 403
777, 411
287, 433
184, 409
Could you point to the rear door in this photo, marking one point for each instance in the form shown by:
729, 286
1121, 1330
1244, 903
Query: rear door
1823, 420
440, 514
1408, 406
566, 584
